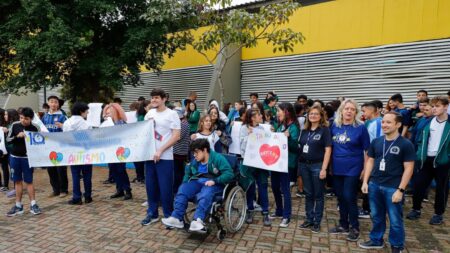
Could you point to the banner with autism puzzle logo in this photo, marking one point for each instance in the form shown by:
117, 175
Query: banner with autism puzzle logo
122, 143
267, 150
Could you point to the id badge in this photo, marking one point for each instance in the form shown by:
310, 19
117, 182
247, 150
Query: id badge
382, 165
305, 149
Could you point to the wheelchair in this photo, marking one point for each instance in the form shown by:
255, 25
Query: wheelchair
229, 206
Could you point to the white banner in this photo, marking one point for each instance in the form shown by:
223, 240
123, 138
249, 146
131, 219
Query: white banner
117, 144
235, 147
267, 150
36, 120
2, 142
131, 117
94, 114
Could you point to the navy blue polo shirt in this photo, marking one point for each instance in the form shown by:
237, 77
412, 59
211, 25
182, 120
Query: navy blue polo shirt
402, 150
317, 141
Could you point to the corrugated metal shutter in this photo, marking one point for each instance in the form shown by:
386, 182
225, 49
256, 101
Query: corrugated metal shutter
178, 83
363, 74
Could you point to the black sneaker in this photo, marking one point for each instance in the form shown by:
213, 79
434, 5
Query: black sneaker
149, 220
370, 245
249, 217
363, 214
315, 228
266, 220
413, 215
34, 209
338, 230
300, 194
436, 219
353, 235
306, 225
127, 195
87, 200
15, 211
396, 250
273, 216
117, 195
75, 202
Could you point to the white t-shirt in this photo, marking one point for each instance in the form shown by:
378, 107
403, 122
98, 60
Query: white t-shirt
165, 122
436, 131
213, 138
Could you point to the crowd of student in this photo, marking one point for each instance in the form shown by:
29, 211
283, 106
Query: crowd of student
336, 148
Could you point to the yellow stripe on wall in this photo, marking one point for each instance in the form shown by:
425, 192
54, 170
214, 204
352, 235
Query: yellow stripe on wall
345, 24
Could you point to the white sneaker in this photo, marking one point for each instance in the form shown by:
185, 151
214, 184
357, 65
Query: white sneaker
197, 226
172, 222
144, 204
256, 207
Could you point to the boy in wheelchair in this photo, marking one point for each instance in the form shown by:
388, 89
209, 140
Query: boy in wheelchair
205, 176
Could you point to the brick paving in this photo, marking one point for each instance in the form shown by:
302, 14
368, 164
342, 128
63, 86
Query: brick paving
114, 226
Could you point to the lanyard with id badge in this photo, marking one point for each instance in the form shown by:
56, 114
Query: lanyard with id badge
306, 147
383, 160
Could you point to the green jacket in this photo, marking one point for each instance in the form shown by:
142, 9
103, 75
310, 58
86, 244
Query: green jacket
218, 167
443, 155
193, 121
294, 133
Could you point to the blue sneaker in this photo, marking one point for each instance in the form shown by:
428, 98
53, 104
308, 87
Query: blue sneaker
436, 219
413, 215
34, 209
15, 211
149, 220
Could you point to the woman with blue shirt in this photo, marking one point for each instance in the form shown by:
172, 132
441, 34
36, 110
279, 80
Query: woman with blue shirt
118, 170
350, 141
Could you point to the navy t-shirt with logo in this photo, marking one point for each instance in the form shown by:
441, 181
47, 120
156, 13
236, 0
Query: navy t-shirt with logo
317, 141
402, 150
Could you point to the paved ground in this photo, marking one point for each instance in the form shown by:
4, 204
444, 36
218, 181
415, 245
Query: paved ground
114, 226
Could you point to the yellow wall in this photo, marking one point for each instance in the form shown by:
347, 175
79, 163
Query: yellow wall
188, 57
344, 24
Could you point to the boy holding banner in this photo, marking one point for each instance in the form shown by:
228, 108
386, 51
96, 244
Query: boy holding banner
159, 170
53, 121
20, 169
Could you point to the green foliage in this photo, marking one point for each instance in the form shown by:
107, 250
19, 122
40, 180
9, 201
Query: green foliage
88, 46
241, 28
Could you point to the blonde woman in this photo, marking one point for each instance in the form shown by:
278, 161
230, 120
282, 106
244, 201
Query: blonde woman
350, 141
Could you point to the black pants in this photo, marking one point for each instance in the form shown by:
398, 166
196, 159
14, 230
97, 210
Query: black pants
424, 177
58, 179
5, 168
179, 164
139, 166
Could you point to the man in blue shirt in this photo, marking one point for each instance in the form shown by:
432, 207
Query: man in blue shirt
53, 121
389, 168
397, 99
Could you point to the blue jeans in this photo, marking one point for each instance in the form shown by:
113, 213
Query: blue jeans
159, 187
204, 194
280, 184
77, 172
346, 188
120, 176
314, 189
380, 198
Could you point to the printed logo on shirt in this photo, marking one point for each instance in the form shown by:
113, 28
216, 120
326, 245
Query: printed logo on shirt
395, 150
317, 137
341, 138
215, 170
158, 136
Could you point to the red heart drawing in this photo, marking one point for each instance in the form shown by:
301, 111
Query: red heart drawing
269, 154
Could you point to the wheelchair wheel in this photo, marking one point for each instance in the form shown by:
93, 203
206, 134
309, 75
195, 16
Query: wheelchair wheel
235, 208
